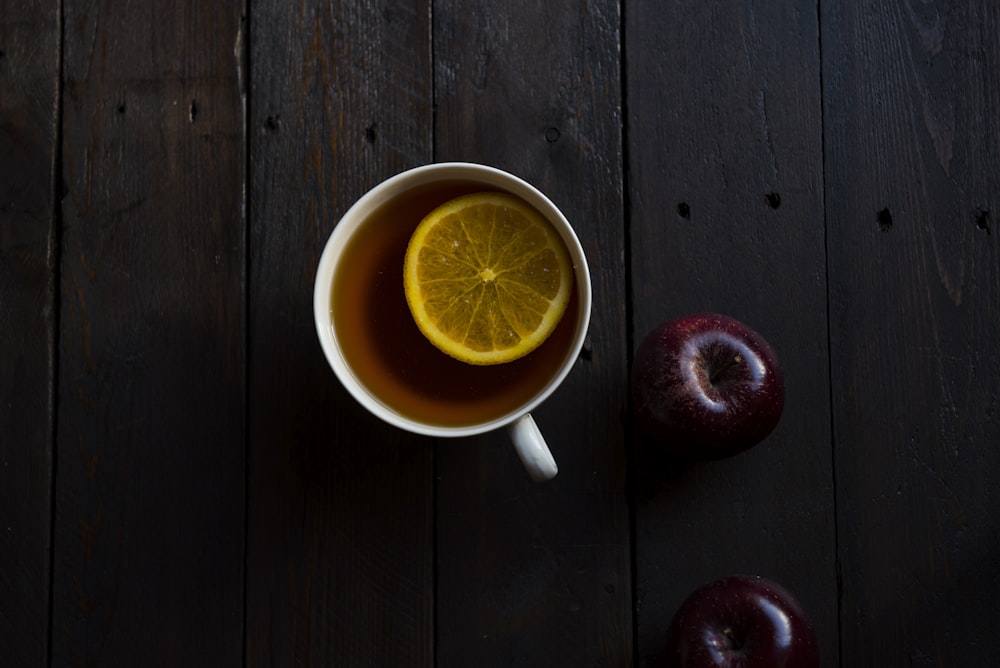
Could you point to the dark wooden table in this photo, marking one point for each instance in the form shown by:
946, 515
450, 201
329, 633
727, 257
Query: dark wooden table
183, 482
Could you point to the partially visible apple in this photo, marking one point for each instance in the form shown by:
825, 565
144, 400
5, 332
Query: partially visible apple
706, 386
741, 621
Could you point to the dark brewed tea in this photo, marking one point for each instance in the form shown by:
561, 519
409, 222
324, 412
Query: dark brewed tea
387, 352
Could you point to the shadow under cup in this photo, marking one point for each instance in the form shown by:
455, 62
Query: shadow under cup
376, 348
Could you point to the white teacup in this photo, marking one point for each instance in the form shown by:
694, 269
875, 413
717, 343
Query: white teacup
524, 433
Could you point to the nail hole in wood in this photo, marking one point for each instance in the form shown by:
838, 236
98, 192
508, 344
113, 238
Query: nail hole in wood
983, 220
684, 211
552, 135
773, 200
272, 123
371, 133
121, 108
885, 220
193, 111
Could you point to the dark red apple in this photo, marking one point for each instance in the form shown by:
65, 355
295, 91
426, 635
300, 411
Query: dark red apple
741, 621
706, 386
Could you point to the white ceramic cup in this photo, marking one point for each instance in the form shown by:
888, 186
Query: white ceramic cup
524, 433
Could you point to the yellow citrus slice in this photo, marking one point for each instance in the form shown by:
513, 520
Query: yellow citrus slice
487, 278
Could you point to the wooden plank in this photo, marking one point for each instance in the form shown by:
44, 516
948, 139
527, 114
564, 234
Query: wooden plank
149, 522
913, 113
340, 505
538, 573
726, 215
29, 79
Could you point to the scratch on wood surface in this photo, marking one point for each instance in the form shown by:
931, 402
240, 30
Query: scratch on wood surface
936, 105
939, 118
924, 460
952, 284
768, 139
239, 52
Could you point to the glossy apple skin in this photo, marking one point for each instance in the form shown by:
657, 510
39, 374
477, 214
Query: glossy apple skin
741, 621
706, 386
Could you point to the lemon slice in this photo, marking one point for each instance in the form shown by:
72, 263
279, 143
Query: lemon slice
487, 278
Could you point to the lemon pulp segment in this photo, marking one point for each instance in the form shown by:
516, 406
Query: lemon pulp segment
487, 278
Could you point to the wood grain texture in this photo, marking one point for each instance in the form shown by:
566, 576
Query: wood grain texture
340, 568
29, 79
183, 482
726, 215
149, 517
912, 93
528, 573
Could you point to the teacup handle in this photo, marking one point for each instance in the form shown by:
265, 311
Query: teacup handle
531, 448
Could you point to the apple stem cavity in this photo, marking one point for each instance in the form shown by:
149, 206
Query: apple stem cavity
706, 386
718, 373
